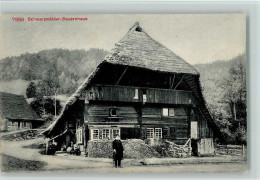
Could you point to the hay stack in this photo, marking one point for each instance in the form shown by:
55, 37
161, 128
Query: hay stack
100, 149
136, 148
133, 148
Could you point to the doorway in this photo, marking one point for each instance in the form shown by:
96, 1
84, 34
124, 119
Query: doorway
194, 137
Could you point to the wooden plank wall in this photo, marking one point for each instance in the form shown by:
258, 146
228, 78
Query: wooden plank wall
173, 128
204, 131
205, 146
74, 114
100, 113
130, 133
151, 115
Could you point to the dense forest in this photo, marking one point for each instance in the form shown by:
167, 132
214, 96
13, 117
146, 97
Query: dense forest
224, 89
223, 82
52, 69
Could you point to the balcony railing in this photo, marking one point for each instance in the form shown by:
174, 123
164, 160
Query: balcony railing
139, 94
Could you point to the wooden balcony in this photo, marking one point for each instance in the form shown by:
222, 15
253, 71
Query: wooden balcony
139, 94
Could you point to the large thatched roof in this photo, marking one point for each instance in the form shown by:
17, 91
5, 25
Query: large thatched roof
15, 107
138, 49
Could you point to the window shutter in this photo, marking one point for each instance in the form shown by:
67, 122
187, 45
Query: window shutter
165, 133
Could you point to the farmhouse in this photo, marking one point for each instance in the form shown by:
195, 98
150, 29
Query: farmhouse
15, 113
140, 90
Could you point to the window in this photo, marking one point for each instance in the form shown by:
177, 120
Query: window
171, 112
136, 94
95, 134
144, 96
105, 134
15, 124
165, 112
158, 132
9, 123
79, 135
91, 95
168, 112
112, 112
115, 132
150, 133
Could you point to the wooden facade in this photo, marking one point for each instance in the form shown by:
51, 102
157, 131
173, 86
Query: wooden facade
141, 90
104, 110
140, 112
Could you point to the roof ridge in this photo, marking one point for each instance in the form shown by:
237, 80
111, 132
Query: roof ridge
137, 48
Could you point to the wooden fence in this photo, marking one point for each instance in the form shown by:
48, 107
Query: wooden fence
235, 150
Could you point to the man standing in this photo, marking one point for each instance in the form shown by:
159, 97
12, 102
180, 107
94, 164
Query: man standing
118, 151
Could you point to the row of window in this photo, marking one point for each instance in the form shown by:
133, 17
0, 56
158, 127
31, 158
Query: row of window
21, 124
166, 112
105, 133
154, 133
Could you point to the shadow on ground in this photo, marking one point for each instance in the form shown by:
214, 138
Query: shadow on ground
13, 164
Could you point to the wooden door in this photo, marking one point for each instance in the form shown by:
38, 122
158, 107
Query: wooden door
194, 130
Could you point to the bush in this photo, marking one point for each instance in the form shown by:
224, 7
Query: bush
31, 91
241, 136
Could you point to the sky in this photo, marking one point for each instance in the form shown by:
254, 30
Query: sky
197, 38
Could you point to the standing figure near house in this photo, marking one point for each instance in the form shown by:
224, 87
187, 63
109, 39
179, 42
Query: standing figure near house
118, 151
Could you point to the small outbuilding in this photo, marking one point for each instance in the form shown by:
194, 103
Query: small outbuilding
15, 113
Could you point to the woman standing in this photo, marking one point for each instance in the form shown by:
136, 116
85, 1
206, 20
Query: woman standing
118, 151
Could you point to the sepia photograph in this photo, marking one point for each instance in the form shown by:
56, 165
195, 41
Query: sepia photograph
123, 93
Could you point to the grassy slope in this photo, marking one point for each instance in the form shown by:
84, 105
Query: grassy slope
14, 86
13, 164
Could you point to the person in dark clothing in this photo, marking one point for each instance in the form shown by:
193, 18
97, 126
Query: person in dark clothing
118, 151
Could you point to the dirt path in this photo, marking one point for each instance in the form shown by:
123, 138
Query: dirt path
15, 149
70, 163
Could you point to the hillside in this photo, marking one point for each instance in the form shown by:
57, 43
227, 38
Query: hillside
213, 75
224, 88
63, 68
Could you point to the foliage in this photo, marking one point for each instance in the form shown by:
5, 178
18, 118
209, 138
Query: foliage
224, 88
45, 106
59, 68
31, 90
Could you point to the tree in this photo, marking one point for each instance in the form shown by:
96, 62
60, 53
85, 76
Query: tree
31, 91
234, 96
45, 106
234, 88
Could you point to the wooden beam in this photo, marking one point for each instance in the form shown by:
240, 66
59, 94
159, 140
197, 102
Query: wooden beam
121, 75
172, 82
179, 82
